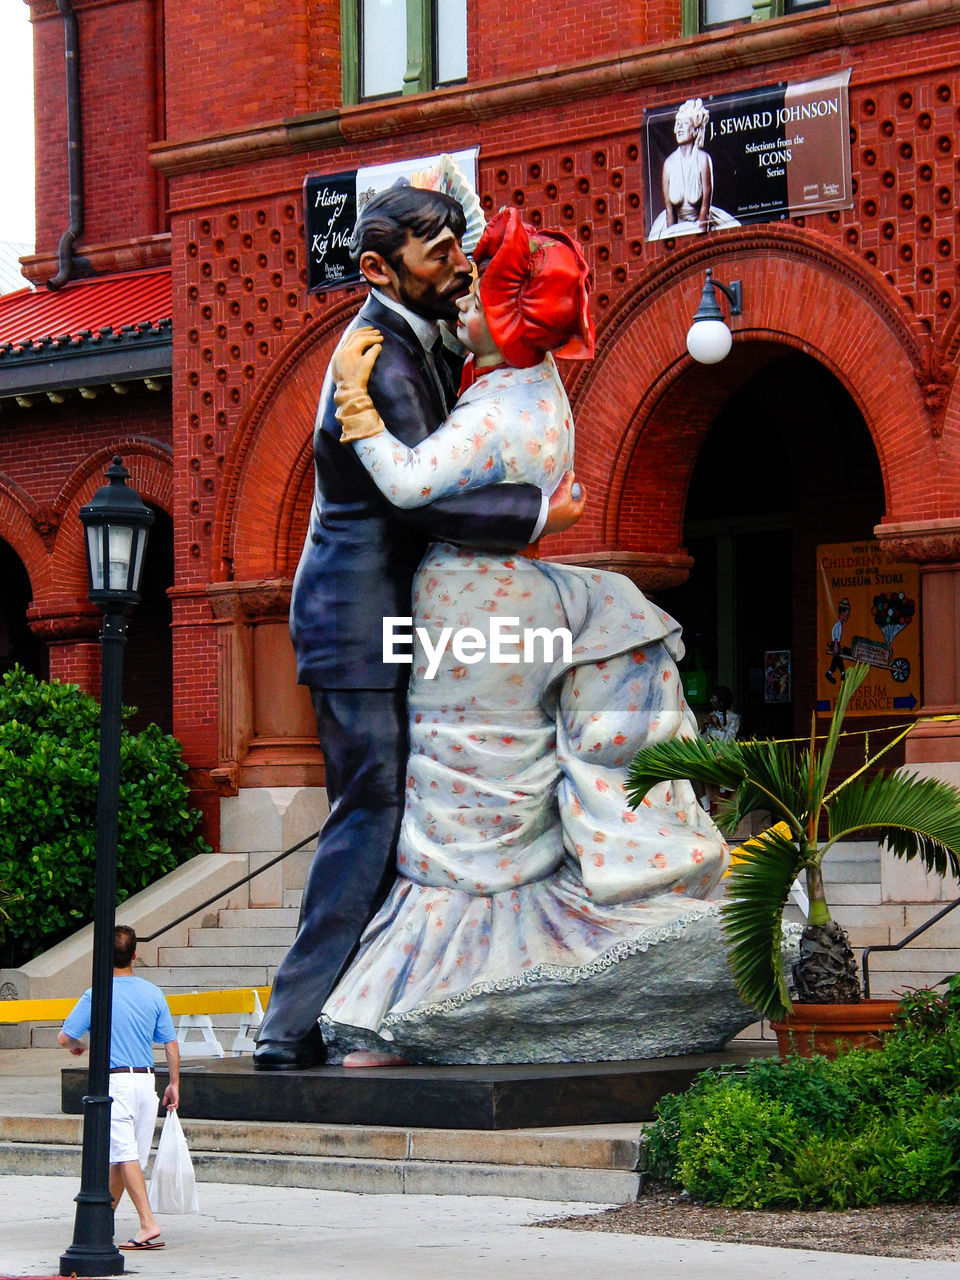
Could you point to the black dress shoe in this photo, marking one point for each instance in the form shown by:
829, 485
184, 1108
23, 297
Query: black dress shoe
288, 1055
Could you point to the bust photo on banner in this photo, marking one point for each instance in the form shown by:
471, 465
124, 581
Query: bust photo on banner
479, 827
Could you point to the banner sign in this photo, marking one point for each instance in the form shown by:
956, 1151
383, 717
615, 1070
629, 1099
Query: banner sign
868, 610
332, 202
752, 156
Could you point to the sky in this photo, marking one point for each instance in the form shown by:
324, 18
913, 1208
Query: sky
16, 112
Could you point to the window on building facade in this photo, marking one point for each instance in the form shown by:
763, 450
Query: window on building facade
383, 47
450, 41
705, 15
401, 46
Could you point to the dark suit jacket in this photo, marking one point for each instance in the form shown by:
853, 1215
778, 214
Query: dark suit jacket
361, 553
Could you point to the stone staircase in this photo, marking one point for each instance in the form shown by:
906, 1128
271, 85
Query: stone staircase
241, 943
233, 947
593, 1164
242, 947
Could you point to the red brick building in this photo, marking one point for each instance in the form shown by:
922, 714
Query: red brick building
836, 414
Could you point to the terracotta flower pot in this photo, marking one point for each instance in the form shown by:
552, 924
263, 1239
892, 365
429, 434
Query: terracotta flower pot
830, 1028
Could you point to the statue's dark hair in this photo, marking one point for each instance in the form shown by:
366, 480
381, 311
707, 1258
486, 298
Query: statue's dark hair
386, 219
124, 946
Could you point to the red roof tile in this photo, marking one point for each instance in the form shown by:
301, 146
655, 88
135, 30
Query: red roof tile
141, 298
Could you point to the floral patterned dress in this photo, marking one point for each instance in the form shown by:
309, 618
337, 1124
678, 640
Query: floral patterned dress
519, 861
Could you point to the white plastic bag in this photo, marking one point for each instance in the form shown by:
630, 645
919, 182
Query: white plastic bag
173, 1187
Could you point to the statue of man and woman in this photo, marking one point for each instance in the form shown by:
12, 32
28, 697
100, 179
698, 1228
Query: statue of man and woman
481, 891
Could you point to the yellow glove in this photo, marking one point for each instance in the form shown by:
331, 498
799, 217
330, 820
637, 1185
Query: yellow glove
351, 366
356, 415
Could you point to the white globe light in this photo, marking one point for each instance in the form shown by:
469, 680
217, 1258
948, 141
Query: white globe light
709, 341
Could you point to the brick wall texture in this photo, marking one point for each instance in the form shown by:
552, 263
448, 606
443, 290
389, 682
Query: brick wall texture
555, 102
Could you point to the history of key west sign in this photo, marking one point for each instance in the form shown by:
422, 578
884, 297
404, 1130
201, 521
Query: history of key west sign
332, 201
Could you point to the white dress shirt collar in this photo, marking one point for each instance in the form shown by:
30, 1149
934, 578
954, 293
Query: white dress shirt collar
427, 331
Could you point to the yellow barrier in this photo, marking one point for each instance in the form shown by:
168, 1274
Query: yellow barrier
35, 1010
236, 1000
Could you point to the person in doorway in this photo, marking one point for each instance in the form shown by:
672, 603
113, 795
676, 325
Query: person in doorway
722, 723
140, 1020
835, 648
357, 569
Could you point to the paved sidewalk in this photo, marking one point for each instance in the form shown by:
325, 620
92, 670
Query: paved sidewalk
248, 1232
245, 1233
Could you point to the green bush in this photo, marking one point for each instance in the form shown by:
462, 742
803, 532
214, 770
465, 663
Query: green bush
736, 1151
49, 761
867, 1128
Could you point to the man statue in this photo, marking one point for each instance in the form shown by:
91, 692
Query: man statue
357, 568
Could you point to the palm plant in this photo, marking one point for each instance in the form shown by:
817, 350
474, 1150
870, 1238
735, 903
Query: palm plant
915, 818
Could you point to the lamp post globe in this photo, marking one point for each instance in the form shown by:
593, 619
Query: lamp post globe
708, 339
115, 525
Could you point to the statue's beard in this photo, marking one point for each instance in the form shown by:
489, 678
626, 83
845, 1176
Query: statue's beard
428, 301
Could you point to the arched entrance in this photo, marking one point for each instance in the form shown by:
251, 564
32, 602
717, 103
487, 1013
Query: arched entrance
787, 464
830, 363
17, 642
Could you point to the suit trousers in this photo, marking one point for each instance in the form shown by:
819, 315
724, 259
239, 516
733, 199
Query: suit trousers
364, 736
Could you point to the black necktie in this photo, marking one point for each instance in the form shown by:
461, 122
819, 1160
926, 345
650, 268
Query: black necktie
445, 374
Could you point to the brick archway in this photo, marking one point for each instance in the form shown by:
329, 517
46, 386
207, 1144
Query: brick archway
20, 525
643, 407
268, 481
151, 473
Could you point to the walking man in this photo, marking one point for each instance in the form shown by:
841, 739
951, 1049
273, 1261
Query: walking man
140, 1019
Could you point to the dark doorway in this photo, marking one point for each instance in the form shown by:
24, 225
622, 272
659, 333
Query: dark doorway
17, 641
788, 464
148, 655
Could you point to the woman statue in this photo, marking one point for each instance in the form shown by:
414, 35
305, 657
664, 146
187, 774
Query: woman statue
687, 179
530, 899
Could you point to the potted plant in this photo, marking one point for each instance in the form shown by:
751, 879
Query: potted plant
914, 817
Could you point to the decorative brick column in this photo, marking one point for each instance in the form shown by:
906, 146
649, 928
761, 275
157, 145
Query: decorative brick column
72, 635
267, 732
269, 771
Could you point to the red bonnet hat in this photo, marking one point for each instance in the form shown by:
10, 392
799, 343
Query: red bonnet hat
533, 286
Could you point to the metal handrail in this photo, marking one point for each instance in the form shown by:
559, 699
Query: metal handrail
898, 946
230, 888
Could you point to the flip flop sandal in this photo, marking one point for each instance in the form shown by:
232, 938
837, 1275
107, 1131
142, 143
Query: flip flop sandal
141, 1244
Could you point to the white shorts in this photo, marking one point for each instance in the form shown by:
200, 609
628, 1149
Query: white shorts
133, 1116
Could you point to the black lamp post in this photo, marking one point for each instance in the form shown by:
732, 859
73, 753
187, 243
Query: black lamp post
115, 526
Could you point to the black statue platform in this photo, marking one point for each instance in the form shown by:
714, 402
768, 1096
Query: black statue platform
500, 1097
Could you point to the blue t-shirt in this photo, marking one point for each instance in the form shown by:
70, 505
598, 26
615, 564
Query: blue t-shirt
140, 1019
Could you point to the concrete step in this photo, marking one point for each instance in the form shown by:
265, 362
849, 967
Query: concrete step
222, 956
197, 977
244, 936
596, 1163
853, 863
370, 1177
259, 917
841, 894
